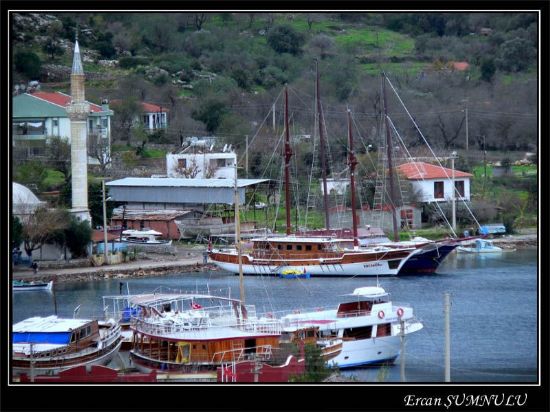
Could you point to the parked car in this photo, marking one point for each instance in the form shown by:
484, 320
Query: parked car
260, 205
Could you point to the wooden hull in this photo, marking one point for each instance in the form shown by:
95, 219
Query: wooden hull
342, 264
52, 366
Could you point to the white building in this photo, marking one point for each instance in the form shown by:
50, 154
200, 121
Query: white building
199, 162
434, 183
154, 117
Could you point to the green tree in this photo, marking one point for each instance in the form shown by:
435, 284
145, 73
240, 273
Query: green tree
78, 236
211, 112
488, 70
16, 231
28, 63
284, 39
516, 55
316, 367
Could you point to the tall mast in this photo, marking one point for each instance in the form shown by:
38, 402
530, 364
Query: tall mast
390, 162
322, 148
352, 162
238, 236
288, 154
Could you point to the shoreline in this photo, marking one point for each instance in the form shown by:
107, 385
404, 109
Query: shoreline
163, 267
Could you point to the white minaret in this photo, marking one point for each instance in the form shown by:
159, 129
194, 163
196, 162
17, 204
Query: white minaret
78, 110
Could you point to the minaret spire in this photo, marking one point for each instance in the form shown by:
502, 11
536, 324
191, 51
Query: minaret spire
78, 110
77, 63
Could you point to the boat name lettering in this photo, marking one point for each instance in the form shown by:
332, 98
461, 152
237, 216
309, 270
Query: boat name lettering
371, 265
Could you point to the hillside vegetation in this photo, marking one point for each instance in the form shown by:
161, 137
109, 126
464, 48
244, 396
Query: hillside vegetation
469, 80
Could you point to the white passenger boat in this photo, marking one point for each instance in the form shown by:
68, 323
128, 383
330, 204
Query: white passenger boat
144, 237
480, 246
48, 345
367, 321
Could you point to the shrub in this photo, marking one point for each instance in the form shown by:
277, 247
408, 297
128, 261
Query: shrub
28, 63
131, 62
284, 39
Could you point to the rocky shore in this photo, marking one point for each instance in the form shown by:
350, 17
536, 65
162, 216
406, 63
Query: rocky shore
185, 261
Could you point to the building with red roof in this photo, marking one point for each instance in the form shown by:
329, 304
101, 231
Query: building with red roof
153, 116
39, 115
434, 183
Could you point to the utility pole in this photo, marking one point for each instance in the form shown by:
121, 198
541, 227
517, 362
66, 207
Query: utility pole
402, 360
447, 312
246, 156
466, 112
238, 237
105, 244
32, 362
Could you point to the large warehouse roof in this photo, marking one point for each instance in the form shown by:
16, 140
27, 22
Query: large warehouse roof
178, 191
180, 182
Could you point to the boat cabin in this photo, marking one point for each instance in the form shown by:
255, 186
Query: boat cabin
52, 333
366, 298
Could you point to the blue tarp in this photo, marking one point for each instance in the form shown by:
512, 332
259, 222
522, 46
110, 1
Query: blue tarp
41, 337
118, 247
492, 229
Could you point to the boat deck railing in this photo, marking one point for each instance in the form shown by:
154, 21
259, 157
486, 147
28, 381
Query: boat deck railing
156, 327
260, 352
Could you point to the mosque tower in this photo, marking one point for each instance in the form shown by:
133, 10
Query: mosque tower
78, 110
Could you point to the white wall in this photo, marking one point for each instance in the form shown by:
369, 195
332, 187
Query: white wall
202, 162
426, 189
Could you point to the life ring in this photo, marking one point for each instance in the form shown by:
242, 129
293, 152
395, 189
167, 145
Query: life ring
400, 312
381, 314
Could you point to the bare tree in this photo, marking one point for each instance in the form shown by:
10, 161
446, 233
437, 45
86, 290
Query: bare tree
127, 111
322, 44
58, 151
190, 172
100, 149
40, 227
199, 19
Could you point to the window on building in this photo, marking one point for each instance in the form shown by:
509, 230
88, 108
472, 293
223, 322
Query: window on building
288, 247
55, 122
146, 120
438, 190
308, 247
182, 163
217, 162
104, 122
29, 128
459, 188
298, 247
91, 124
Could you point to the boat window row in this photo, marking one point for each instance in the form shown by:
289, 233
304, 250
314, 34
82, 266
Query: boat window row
81, 333
288, 246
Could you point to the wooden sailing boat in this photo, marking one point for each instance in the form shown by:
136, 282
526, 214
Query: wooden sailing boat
318, 256
428, 254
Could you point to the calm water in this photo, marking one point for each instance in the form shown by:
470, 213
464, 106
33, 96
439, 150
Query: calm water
493, 315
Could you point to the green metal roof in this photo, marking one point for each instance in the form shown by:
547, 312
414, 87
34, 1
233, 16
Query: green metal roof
25, 106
